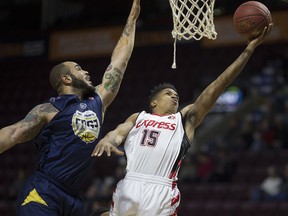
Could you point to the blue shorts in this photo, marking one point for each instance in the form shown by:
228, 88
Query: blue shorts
41, 197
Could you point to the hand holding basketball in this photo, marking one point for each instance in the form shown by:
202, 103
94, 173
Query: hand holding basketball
253, 43
251, 18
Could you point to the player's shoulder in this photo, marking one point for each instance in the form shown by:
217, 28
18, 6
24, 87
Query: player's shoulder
46, 107
186, 109
44, 111
135, 115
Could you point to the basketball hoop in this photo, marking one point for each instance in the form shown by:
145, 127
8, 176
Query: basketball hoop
192, 19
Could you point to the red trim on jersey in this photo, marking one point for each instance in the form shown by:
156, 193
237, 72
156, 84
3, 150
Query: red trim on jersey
175, 200
175, 213
174, 183
161, 115
173, 174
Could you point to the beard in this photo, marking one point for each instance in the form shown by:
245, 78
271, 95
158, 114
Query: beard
88, 90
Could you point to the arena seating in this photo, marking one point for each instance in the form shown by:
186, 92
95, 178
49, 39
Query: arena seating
25, 84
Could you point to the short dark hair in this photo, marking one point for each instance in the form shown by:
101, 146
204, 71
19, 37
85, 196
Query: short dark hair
56, 73
157, 89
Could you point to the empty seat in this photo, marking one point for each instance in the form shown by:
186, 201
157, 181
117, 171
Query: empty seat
218, 192
238, 192
247, 209
268, 209
211, 208
190, 208
229, 208
282, 209
195, 192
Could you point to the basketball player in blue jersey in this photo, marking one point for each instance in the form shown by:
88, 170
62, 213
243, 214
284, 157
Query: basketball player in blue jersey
66, 129
157, 142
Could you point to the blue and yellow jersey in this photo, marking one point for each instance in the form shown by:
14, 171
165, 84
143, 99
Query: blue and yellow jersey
67, 142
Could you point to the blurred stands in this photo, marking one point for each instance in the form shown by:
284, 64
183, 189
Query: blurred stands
24, 83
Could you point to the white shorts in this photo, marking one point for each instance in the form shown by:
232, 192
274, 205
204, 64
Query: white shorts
145, 195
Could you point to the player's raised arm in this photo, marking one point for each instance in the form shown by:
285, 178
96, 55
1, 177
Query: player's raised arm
204, 103
113, 75
114, 138
28, 128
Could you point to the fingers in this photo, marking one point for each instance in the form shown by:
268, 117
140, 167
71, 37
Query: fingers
100, 149
108, 151
264, 31
270, 28
267, 30
117, 151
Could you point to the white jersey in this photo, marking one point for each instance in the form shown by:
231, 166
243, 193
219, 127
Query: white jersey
153, 146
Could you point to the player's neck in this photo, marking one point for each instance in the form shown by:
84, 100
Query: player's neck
161, 112
71, 90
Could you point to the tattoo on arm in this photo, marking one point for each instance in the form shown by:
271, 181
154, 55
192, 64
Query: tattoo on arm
113, 80
35, 120
126, 31
97, 89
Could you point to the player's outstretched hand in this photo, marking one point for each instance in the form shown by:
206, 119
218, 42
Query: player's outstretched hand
257, 41
135, 10
104, 146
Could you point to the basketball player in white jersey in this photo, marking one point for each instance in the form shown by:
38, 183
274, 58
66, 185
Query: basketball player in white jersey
157, 142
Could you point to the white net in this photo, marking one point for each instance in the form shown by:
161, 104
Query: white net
192, 19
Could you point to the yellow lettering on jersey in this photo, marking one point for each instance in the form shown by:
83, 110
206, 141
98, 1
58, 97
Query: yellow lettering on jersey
34, 197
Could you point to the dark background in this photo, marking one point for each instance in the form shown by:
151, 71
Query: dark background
24, 80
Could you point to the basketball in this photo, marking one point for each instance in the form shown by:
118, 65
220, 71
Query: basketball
250, 18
